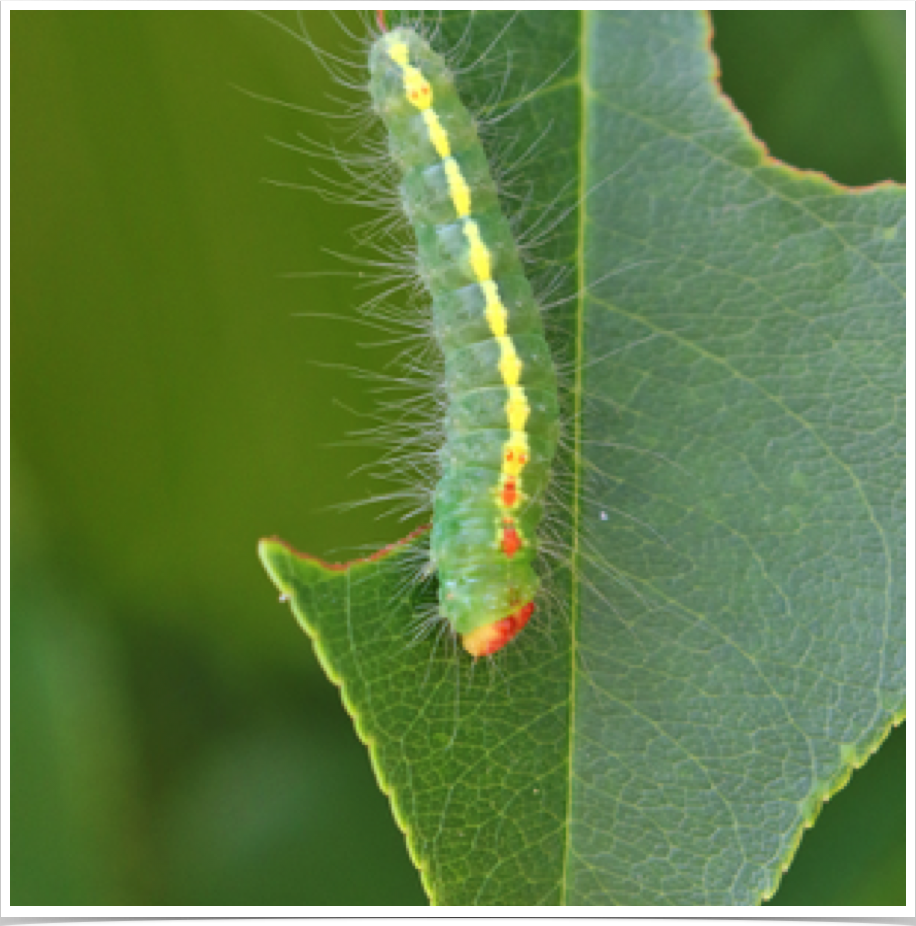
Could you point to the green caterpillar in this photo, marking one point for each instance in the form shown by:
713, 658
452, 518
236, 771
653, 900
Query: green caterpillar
502, 421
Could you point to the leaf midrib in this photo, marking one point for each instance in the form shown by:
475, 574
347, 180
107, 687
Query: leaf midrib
579, 354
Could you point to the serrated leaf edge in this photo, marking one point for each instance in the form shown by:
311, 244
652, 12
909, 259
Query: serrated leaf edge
268, 550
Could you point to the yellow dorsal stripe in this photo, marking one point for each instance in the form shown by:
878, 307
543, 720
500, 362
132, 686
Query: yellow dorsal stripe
479, 255
416, 86
509, 364
517, 408
495, 311
457, 186
399, 53
420, 94
437, 135
516, 452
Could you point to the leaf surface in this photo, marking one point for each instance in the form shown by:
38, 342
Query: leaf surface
722, 641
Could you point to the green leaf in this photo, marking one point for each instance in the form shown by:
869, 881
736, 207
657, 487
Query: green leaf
727, 642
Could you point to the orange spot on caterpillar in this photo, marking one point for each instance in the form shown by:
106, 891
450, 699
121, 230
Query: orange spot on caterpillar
511, 542
484, 641
510, 493
510, 456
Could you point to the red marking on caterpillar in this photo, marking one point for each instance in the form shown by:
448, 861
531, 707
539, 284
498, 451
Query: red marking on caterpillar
380, 19
510, 494
512, 543
485, 641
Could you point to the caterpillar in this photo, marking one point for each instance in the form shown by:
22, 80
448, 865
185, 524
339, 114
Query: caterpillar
502, 417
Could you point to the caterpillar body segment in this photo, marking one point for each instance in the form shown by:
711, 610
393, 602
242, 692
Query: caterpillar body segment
501, 426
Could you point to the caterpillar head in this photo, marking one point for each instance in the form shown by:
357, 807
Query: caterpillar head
404, 74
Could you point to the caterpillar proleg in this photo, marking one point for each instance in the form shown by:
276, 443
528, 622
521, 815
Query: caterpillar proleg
501, 424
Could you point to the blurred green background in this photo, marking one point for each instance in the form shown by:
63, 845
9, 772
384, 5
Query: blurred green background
174, 739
